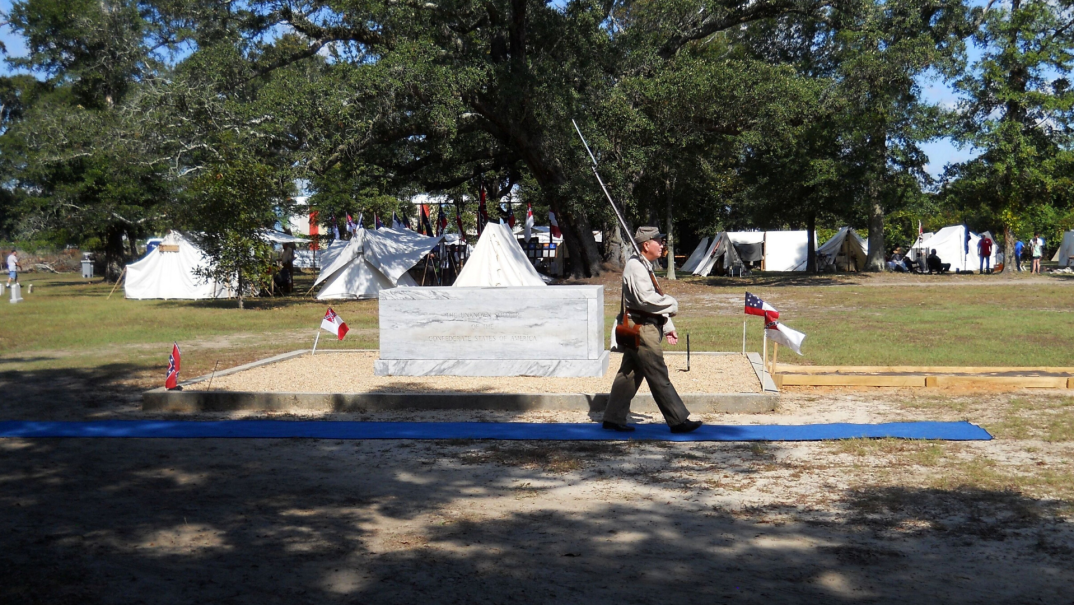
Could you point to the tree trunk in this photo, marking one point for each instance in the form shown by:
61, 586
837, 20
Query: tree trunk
238, 282
1008, 249
113, 254
670, 186
811, 238
591, 254
616, 251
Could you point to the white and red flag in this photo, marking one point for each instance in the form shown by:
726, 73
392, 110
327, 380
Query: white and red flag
756, 306
528, 226
777, 332
171, 379
458, 223
334, 324
553, 226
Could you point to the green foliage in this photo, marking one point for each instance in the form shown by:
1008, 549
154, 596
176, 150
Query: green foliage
226, 206
708, 116
1018, 111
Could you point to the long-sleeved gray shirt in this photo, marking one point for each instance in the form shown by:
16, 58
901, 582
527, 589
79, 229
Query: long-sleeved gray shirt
639, 293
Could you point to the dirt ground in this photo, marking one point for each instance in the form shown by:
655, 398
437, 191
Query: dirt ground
315, 521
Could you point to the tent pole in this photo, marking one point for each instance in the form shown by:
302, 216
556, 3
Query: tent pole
117, 282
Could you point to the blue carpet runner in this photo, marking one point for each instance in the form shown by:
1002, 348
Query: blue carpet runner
277, 429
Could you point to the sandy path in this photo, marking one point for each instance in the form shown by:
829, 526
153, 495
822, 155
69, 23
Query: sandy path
353, 373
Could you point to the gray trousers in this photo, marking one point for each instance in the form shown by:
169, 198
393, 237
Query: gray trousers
648, 363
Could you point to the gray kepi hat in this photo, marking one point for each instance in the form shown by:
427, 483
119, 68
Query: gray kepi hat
645, 234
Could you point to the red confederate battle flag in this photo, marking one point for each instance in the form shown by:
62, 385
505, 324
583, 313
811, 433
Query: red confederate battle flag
756, 306
171, 379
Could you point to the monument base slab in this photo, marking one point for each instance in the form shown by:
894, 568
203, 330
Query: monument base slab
546, 368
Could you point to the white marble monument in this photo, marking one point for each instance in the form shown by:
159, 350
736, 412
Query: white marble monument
523, 331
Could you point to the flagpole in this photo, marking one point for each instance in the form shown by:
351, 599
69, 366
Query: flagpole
316, 339
743, 338
764, 351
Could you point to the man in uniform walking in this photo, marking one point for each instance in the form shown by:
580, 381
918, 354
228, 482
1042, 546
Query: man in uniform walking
648, 306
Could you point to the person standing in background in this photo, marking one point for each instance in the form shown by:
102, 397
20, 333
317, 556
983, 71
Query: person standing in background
984, 250
1037, 247
13, 267
1018, 247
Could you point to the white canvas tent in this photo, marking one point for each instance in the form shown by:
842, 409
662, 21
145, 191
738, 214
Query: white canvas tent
373, 261
696, 256
951, 246
783, 250
721, 253
1065, 254
844, 251
497, 261
170, 272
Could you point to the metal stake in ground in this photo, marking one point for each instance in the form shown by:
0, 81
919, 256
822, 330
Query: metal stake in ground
213, 375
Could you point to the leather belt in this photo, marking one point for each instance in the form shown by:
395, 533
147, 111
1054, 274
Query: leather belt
645, 317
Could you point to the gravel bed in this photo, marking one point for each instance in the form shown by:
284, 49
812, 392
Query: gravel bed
353, 373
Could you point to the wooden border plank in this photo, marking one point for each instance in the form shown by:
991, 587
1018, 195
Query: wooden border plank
1025, 382
796, 369
813, 380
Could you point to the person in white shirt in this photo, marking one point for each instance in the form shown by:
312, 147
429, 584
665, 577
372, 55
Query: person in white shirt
1037, 246
13, 267
647, 305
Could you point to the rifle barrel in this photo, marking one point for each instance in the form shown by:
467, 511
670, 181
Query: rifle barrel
618, 215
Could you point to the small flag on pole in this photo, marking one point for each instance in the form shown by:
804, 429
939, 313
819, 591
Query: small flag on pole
777, 332
171, 379
458, 223
553, 225
377, 224
510, 215
334, 324
425, 226
756, 306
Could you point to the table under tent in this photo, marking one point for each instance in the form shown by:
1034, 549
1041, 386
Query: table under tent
371, 261
1065, 254
497, 261
952, 246
171, 272
720, 258
844, 251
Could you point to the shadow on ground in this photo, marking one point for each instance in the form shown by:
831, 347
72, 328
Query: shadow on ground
306, 521
68, 393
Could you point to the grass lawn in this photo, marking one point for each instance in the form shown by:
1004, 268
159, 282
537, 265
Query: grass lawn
68, 322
